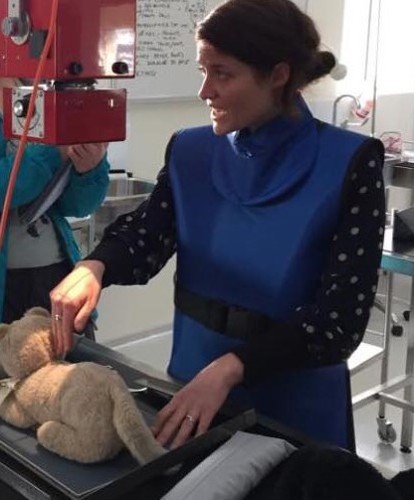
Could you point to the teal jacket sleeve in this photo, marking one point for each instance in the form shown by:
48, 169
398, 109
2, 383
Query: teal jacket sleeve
37, 166
85, 192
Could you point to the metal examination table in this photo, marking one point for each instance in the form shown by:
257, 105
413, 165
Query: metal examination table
396, 258
27, 471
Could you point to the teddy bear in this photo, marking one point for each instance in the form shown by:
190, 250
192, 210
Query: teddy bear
82, 411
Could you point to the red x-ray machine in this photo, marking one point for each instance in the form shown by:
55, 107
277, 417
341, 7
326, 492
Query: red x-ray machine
94, 39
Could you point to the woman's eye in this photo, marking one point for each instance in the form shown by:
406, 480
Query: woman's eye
214, 74
223, 75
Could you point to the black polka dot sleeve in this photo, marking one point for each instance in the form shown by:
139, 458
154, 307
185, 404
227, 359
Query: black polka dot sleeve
137, 245
330, 329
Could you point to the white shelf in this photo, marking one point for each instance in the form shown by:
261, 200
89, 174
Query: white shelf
365, 355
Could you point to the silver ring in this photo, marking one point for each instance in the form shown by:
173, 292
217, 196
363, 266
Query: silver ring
190, 418
58, 317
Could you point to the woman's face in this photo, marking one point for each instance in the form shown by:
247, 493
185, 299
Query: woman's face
236, 95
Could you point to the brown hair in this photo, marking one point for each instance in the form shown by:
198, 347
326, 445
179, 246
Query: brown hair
263, 33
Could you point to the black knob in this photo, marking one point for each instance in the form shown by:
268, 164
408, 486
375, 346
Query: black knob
75, 68
120, 68
21, 106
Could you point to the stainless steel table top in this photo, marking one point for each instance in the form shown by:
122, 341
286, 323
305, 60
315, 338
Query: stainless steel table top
397, 257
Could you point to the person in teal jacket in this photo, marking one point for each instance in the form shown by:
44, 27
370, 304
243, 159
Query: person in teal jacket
35, 257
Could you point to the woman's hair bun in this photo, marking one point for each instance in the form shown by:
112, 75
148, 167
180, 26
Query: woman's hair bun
323, 62
327, 59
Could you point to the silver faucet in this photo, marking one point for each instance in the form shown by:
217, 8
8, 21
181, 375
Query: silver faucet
346, 123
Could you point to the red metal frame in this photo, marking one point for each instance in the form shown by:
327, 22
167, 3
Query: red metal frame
92, 33
77, 116
94, 38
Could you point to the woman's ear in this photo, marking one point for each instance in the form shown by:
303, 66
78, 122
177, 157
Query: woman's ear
280, 75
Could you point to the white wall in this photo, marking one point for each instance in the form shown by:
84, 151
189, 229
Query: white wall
151, 126
395, 80
125, 311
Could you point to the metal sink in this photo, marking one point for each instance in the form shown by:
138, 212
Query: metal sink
124, 195
127, 186
400, 174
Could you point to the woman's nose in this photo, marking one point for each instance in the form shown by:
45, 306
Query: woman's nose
206, 90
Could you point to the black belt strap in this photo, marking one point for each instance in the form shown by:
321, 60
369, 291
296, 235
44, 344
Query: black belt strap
230, 320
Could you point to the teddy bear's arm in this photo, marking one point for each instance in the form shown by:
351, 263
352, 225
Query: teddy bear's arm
13, 413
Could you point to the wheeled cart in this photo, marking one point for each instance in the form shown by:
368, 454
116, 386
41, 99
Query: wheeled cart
397, 258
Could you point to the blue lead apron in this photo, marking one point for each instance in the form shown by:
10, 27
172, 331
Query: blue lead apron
256, 213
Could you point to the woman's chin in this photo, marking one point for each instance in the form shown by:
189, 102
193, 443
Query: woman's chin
220, 128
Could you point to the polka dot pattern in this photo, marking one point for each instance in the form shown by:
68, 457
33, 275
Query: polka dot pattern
147, 234
349, 283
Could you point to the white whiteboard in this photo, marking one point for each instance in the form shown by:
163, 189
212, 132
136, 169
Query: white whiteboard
165, 53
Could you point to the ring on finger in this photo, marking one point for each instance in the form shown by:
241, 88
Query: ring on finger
57, 317
190, 418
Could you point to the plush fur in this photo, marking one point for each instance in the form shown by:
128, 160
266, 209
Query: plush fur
83, 411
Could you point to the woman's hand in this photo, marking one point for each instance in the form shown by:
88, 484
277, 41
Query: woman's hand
192, 409
85, 157
73, 301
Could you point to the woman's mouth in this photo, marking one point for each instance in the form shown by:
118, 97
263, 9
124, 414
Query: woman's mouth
216, 114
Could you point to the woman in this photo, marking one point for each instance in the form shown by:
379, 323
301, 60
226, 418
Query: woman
35, 257
277, 221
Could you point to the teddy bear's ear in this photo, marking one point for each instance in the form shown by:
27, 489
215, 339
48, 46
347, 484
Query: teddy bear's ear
3, 330
37, 311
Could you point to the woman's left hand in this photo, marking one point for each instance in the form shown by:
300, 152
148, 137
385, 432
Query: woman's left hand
192, 409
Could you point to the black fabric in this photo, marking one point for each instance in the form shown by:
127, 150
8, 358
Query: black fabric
403, 483
26, 288
323, 473
230, 320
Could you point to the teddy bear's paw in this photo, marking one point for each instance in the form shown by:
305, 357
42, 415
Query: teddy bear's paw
81, 447
57, 437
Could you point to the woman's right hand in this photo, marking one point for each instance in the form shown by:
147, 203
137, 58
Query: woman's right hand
72, 302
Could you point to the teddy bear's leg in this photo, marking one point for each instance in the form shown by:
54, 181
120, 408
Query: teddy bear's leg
75, 445
13, 413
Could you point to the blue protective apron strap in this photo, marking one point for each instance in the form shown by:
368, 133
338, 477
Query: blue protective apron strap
231, 320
